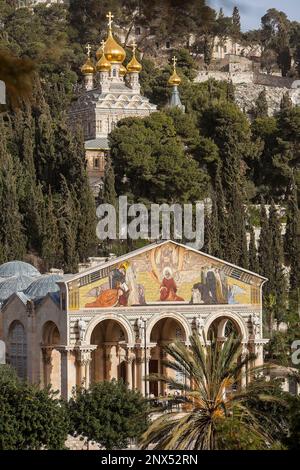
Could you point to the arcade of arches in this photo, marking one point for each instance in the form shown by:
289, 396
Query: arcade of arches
110, 353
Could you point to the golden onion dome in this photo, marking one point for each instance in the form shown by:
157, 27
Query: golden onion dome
122, 71
174, 80
103, 65
88, 67
113, 51
134, 65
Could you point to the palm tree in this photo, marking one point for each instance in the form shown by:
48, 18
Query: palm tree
214, 400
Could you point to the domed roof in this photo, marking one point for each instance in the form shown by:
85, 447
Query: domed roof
113, 51
16, 268
14, 284
134, 65
174, 80
103, 65
42, 286
88, 67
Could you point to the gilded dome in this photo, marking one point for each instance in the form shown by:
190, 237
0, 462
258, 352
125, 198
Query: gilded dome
113, 51
88, 67
174, 80
134, 65
122, 71
103, 65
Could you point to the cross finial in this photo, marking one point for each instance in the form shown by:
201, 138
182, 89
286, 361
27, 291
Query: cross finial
174, 61
134, 46
110, 19
88, 48
102, 45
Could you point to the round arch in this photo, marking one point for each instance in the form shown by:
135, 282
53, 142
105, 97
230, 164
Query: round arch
175, 316
50, 333
235, 317
117, 318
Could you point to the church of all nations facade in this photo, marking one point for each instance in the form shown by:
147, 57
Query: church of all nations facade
112, 320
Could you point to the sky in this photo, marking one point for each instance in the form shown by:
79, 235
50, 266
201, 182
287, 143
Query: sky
252, 10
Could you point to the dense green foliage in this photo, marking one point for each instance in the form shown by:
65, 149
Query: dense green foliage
31, 419
109, 414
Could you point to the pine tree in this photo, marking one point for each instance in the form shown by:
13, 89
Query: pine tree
253, 259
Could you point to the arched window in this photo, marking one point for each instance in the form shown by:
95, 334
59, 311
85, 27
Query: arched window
18, 349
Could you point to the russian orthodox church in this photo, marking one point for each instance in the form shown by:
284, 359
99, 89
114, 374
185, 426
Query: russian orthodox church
111, 92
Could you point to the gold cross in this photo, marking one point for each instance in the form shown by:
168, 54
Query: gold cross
134, 46
88, 48
110, 19
174, 61
103, 44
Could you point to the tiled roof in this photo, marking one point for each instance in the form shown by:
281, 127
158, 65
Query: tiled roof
97, 144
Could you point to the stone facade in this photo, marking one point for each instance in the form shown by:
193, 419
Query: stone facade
85, 334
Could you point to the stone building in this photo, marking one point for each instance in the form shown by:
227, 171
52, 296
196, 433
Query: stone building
112, 320
111, 92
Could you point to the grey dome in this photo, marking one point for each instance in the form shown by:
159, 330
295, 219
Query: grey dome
43, 285
18, 268
13, 284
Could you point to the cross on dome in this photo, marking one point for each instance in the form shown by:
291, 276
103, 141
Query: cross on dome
174, 61
110, 19
88, 48
134, 46
102, 45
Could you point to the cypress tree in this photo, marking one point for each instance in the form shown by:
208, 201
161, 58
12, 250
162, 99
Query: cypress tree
212, 232
221, 216
261, 105
277, 280
51, 251
264, 248
109, 195
286, 103
68, 226
236, 23
230, 91
12, 239
292, 244
253, 259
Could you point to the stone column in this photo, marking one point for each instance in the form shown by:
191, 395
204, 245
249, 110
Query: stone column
84, 358
146, 355
129, 369
107, 361
47, 365
244, 377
